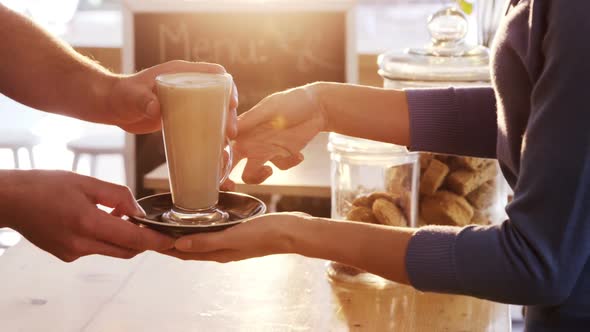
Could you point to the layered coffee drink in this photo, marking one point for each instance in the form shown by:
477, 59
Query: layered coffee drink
194, 110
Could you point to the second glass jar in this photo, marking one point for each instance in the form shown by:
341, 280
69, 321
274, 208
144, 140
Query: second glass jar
372, 182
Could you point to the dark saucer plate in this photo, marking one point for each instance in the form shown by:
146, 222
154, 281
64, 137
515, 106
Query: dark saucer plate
240, 208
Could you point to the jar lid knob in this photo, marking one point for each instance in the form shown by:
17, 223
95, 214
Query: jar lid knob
448, 26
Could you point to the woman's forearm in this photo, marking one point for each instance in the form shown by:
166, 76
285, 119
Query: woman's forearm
365, 112
377, 249
38, 70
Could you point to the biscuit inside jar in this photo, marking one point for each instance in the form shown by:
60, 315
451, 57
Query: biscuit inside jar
388, 213
456, 190
390, 207
446, 208
378, 208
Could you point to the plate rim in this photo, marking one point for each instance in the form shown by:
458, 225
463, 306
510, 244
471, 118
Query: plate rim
231, 223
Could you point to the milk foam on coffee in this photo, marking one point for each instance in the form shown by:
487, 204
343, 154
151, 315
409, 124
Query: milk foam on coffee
194, 109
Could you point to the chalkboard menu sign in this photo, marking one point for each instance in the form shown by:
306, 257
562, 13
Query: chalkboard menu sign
267, 46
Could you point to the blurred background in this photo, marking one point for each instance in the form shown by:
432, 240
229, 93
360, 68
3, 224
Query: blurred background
94, 27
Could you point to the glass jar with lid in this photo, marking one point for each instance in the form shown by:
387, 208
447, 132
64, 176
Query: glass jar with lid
446, 61
454, 190
372, 182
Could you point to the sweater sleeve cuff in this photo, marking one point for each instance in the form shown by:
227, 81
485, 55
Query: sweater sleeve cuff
434, 122
430, 259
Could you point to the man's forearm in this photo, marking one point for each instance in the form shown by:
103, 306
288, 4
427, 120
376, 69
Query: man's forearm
364, 112
378, 249
12, 190
40, 71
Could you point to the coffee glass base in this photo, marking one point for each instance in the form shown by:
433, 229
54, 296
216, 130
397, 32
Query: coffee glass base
204, 217
240, 208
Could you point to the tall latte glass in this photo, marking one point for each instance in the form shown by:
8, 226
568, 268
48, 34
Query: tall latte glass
194, 110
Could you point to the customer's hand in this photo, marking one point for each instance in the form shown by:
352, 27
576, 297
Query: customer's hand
57, 211
261, 236
276, 130
133, 103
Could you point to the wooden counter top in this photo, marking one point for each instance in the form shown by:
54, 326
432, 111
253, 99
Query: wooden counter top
158, 293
